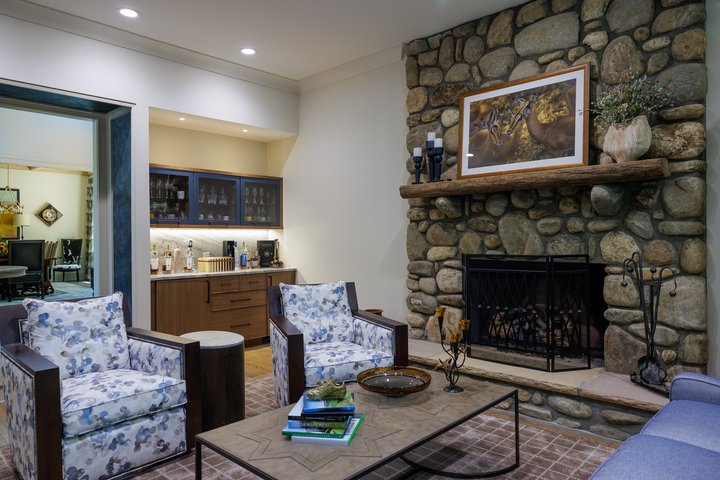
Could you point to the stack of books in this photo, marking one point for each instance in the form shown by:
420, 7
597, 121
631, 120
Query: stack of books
323, 422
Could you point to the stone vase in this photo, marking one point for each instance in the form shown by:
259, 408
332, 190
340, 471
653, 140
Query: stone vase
625, 143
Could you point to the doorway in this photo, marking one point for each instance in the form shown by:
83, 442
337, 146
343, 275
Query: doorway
107, 196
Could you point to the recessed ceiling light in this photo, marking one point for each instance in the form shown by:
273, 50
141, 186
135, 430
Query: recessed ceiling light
248, 51
182, 119
244, 130
129, 12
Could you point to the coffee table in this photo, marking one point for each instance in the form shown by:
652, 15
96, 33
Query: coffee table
392, 427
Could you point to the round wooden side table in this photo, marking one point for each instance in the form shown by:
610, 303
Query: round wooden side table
222, 358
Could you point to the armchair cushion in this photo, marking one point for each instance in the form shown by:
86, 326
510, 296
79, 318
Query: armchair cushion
694, 417
321, 312
80, 337
341, 361
695, 386
99, 399
118, 449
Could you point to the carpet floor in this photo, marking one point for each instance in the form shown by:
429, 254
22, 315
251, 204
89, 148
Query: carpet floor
62, 291
482, 443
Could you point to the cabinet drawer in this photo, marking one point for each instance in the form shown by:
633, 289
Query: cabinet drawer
248, 322
252, 282
237, 283
231, 300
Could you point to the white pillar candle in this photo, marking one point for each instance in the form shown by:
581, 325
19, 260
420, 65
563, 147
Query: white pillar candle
431, 136
438, 143
417, 152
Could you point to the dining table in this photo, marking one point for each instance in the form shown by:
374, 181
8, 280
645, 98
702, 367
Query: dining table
12, 271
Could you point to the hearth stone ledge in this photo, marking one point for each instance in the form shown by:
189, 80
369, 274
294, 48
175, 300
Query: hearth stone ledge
612, 417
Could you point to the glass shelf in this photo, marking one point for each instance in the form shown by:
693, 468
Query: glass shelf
169, 196
179, 197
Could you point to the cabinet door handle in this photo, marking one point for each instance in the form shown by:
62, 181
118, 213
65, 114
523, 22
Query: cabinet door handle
225, 284
208, 291
240, 325
240, 300
254, 281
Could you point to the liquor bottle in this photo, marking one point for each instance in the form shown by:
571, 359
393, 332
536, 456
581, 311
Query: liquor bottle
244, 256
154, 260
189, 260
168, 264
236, 256
178, 263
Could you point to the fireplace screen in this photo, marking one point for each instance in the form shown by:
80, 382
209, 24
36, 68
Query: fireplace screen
530, 311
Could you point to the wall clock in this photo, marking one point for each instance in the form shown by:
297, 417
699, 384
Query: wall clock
48, 214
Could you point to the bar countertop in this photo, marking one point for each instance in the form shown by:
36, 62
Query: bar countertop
244, 271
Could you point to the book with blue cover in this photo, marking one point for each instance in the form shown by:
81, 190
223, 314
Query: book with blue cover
297, 415
346, 405
314, 432
333, 441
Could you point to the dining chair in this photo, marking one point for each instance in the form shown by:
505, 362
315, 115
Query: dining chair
30, 254
49, 263
71, 250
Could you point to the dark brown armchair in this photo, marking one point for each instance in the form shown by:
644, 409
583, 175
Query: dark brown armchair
297, 364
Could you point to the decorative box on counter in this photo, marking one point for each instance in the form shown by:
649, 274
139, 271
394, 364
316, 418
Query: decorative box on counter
215, 264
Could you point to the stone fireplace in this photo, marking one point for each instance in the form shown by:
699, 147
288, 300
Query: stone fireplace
663, 219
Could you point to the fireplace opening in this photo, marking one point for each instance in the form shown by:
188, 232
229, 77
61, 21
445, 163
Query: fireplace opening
542, 312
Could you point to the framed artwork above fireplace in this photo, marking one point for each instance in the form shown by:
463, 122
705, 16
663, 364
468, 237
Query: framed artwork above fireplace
540, 122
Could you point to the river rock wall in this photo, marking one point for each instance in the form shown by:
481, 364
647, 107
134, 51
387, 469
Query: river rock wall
665, 220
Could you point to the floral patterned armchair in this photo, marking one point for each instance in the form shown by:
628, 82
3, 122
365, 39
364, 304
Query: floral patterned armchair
318, 333
89, 398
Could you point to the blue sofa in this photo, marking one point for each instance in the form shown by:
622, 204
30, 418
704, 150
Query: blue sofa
682, 441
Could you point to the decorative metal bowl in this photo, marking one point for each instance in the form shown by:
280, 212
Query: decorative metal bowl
394, 381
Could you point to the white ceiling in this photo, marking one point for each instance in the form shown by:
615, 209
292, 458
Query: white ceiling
295, 40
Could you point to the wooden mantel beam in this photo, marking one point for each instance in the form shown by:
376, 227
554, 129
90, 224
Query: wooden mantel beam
638, 170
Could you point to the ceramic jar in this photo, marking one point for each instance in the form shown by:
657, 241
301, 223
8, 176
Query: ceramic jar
628, 142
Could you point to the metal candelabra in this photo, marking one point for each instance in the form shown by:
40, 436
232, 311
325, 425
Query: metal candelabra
649, 283
457, 350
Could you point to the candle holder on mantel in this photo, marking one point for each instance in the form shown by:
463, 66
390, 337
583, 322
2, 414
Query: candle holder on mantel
437, 159
651, 372
457, 349
434, 148
417, 160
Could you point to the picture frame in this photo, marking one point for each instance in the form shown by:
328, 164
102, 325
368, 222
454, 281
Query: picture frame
48, 214
535, 123
7, 228
10, 195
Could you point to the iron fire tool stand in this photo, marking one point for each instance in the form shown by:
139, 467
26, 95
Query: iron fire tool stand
652, 374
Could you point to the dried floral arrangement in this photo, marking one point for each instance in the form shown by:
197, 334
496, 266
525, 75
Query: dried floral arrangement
619, 104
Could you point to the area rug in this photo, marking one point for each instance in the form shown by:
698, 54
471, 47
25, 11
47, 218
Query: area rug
482, 443
62, 291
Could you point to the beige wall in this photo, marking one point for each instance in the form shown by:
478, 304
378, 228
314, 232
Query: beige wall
344, 218
65, 191
183, 148
278, 153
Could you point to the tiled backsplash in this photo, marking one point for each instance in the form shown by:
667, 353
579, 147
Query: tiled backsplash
205, 239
